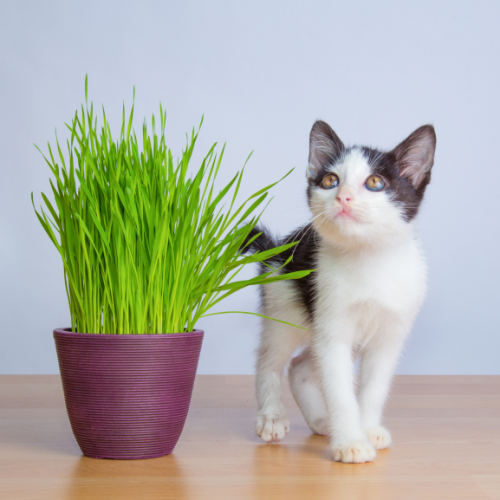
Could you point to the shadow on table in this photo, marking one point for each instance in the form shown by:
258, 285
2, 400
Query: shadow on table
106, 479
304, 469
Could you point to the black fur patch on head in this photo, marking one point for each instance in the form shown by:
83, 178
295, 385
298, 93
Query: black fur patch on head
415, 155
325, 148
407, 168
400, 187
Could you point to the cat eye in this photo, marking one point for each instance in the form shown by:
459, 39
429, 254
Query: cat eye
375, 183
330, 181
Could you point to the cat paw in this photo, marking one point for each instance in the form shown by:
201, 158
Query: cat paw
272, 427
356, 452
379, 437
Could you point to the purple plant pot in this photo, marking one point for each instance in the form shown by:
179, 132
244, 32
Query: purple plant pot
127, 396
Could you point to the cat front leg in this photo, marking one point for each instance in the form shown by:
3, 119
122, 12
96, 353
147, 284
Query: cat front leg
349, 442
278, 342
377, 368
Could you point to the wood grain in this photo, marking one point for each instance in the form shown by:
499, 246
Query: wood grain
446, 432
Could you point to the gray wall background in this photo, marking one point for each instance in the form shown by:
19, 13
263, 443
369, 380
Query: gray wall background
262, 72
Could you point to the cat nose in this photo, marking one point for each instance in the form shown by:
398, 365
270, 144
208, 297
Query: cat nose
344, 197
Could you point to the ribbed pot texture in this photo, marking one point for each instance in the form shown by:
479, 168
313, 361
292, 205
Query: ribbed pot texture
127, 396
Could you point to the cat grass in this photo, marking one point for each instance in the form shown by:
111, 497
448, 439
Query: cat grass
146, 246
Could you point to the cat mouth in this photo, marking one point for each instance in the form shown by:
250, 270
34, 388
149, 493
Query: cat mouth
344, 215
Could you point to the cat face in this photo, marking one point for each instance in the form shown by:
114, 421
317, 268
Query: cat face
359, 195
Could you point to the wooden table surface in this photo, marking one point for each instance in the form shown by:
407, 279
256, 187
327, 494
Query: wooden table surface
446, 432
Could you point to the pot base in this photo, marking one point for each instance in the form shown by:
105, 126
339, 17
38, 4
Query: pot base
145, 457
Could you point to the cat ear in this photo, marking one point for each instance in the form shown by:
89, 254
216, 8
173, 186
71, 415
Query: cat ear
415, 155
324, 147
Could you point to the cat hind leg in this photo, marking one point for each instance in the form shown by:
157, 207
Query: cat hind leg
305, 387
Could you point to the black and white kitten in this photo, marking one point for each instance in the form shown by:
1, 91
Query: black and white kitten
362, 300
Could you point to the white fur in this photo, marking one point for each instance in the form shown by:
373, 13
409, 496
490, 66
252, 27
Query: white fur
370, 285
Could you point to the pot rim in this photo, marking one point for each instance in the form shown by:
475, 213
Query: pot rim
66, 332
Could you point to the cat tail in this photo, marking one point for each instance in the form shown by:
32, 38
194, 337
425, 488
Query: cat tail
265, 240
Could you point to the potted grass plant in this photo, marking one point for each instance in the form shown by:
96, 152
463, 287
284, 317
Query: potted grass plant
148, 246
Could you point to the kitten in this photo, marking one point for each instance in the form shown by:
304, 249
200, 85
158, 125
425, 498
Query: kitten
368, 287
